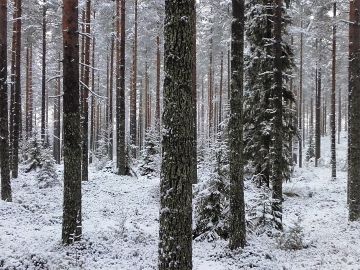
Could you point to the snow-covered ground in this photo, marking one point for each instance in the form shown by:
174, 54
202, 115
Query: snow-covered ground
120, 226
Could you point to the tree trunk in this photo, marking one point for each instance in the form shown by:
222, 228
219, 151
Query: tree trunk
120, 90
301, 100
278, 118
175, 248
71, 227
354, 112
43, 77
133, 93
318, 115
236, 158
57, 117
333, 101
158, 64
85, 95
4, 127
111, 90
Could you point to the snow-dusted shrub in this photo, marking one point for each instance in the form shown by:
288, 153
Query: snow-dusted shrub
310, 152
293, 238
40, 159
211, 201
101, 154
260, 215
47, 175
150, 160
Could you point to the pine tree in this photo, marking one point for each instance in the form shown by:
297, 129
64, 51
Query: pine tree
236, 158
71, 227
175, 247
4, 130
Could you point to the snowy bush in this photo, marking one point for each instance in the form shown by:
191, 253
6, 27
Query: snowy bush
260, 216
39, 159
47, 175
293, 238
211, 201
150, 160
101, 155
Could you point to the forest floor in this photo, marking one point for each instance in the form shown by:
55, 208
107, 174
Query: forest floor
120, 226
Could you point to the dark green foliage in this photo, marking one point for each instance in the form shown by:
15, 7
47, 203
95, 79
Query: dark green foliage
150, 155
259, 110
39, 158
212, 199
310, 153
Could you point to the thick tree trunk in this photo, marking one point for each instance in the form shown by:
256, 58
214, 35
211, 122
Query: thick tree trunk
175, 248
71, 227
354, 112
4, 127
236, 145
333, 102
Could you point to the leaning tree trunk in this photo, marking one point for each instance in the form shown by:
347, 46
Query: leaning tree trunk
175, 248
71, 227
236, 145
354, 112
4, 127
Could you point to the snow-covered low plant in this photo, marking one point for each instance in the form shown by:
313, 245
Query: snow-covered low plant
150, 160
211, 200
47, 176
293, 238
40, 159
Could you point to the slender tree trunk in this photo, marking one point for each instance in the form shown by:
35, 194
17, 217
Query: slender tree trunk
17, 89
210, 93
333, 101
72, 225
133, 93
318, 115
43, 77
301, 100
158, 64
120, 90
236, 158
92, 106
85, 94
221, 88
354, 112
339, 115
4, 127
111, 90
175, 248
57, 117
278, 67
